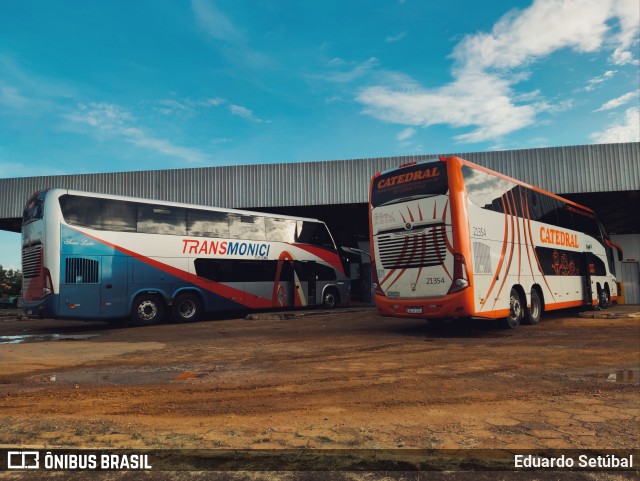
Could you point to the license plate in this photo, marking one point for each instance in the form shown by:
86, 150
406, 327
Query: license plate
414, 310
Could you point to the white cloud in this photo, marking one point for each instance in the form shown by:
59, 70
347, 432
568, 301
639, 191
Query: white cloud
617, 102
628, 130
212, 102
10, 169
11, 97
111, 119
474, 99
187, 106
234, 43
216, 23
245, 113
406, 133
591, 83
628, 14
352, 71
173, 107
546, 26
395, 38
488, 66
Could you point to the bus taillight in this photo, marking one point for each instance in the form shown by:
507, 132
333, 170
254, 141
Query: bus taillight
408, 164
47, 289
375, 281
460, 274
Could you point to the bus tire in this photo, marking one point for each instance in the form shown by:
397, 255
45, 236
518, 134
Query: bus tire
330, 298
186, 308
512, 321
532, 314
604, 297
147, 310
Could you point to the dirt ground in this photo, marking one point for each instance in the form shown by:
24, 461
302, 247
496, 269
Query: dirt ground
347, 380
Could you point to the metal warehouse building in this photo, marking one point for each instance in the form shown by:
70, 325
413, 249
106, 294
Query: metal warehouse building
605, 178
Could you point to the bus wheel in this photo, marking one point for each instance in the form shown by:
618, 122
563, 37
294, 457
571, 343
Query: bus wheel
148, 309
515, 311
330, 299
187, 308
605, 298
532, 314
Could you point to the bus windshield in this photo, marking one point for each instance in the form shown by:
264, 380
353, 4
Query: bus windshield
34, 210
417, 181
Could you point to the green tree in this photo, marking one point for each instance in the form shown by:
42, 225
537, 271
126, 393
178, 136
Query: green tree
10, 281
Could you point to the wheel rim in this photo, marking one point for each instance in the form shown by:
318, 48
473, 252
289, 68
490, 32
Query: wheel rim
187, 309
604, 298
329, 300
515, 309
147, 310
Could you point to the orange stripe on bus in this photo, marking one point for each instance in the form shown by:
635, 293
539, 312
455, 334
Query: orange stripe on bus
513, 199
504, 250
223, 290
444, 220
526, 237
506, 272
440, 259
535, 254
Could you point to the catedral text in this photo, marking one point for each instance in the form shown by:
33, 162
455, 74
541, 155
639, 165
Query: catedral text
558, 237
225, 248
410, 177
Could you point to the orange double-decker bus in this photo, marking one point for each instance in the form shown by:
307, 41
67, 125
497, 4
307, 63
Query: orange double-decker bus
451, 239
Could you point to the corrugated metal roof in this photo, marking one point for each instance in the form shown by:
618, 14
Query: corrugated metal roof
563, 170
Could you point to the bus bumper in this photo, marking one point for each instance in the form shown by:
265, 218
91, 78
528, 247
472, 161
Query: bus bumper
459, 304
44, 308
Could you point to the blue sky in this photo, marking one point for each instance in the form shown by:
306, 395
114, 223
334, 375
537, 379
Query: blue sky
120, 85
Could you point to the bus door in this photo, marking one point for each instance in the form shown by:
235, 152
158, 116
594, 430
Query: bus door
285, 284
587, 269
79, 286
114, 287
312, 278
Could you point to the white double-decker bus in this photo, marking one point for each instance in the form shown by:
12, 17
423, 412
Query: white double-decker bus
451, 239
95, 256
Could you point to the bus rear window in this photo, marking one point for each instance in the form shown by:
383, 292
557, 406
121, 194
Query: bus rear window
409, 183
34, 210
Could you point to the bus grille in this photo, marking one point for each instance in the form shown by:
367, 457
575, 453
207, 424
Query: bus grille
32, 261
404, 250
81, 271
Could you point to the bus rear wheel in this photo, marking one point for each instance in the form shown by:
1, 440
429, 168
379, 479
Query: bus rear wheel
187, 308
330, 298
532, 314
515, 310
604, 298
147, 310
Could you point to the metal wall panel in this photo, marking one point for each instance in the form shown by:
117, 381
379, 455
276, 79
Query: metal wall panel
564, 170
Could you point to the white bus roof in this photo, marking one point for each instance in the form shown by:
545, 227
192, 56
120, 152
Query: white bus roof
60, 191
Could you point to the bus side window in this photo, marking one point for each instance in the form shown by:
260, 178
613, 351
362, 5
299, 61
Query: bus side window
280, 230
545, 208
82, 211
248, 227
119, 216
202, 223
314, 233
154, 219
